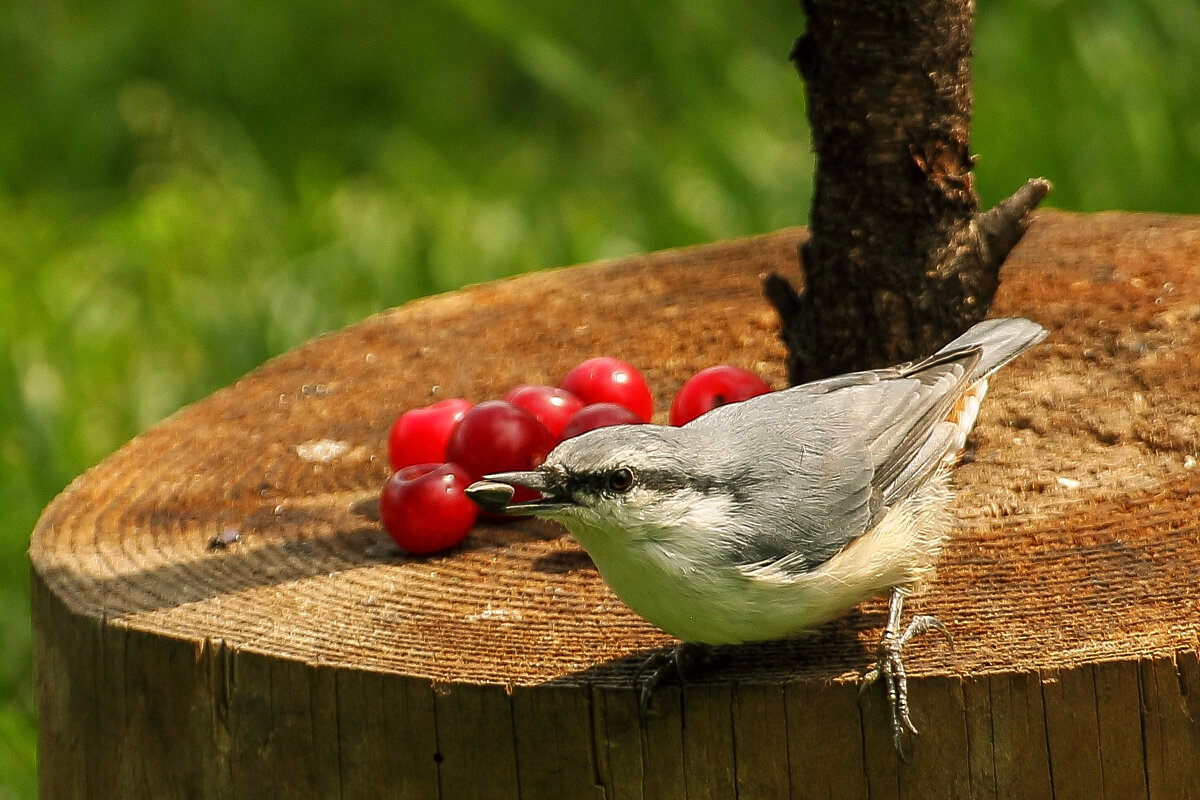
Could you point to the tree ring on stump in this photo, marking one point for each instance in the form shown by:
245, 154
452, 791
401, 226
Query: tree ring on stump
305, 652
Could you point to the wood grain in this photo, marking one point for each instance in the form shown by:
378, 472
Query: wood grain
311, 659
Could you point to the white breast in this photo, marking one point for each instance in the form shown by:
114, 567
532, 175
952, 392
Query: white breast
696, 600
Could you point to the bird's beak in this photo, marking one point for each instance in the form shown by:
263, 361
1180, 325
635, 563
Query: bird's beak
495, 493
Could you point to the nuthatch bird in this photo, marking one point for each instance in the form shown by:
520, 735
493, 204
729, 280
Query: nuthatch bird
766, 517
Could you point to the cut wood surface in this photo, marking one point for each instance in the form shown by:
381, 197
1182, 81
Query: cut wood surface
309, 658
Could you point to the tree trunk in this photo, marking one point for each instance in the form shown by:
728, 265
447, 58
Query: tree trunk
900, 261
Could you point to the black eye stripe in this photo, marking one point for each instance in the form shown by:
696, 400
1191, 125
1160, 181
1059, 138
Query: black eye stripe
653, 480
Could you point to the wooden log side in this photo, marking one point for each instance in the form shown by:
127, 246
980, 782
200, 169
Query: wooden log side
309, 659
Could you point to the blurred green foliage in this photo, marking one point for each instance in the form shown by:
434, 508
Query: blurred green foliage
187, 189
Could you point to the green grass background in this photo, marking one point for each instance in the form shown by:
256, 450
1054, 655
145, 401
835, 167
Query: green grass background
187, 189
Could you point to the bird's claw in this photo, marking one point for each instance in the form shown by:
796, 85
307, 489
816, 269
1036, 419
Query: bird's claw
661, 666
890, 667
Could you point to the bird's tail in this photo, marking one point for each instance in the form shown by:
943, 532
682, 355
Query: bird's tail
999, 341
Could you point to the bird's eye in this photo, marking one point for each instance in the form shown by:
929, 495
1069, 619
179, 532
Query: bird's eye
620, 479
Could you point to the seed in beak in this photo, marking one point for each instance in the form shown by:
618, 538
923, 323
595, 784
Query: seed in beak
490, 495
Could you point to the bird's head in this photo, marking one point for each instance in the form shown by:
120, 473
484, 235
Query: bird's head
628, 481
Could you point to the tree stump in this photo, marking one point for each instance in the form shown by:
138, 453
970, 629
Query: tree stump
218, 614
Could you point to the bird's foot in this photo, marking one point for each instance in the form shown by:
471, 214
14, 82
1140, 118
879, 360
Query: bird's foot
663, 665
890, 666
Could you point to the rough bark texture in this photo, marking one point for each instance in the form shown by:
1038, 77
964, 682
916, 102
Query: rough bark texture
900, 261
309, 659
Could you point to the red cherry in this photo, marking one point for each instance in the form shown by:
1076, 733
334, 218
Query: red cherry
420, 435
496, 436
599, 415
550, 405
714, 387
610, 380
423, 507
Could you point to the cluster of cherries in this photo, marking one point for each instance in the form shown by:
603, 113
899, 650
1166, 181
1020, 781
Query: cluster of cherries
437, 451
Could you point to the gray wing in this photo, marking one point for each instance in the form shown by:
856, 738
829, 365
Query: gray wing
827, 459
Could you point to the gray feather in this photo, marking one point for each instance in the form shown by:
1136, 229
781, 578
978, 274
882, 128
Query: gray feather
999, 340
830, 457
